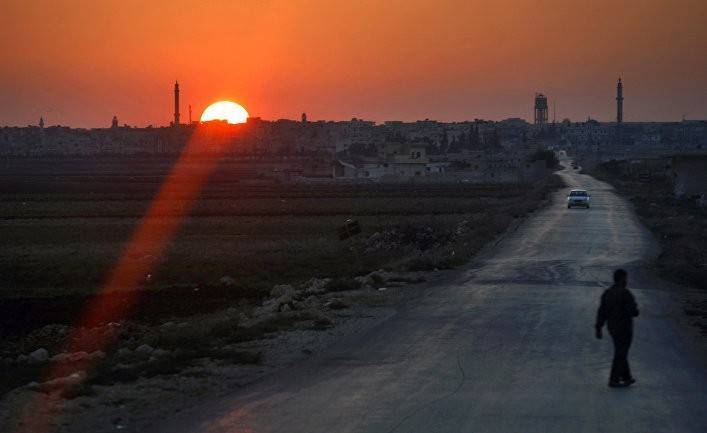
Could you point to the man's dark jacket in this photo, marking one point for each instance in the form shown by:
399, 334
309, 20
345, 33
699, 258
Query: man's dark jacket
617, 310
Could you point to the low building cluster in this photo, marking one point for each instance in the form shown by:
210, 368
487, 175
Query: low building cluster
474, 151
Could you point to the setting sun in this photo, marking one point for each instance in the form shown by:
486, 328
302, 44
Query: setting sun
225, 110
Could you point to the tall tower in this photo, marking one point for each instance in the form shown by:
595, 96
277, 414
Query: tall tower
190, 114
619, 102
176, 103
554, 111
540, 109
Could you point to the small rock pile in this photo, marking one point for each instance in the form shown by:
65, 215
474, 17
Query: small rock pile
420, 238
135, 349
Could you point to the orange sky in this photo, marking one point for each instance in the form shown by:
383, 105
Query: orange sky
80, 62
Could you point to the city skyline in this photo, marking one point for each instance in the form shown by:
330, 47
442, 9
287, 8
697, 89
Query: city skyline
450, 62
303, 116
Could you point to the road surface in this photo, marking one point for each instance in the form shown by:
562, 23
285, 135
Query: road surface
506, 346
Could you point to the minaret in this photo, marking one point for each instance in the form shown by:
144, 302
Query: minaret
619, 102
176, 103
190, 114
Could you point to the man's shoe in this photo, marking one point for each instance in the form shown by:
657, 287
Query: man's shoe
629, 381
616, 384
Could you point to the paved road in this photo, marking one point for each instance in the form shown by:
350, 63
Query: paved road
507, 346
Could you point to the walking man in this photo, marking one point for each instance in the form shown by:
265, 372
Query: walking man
617, 310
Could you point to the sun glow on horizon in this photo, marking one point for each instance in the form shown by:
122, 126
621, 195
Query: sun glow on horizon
225, 110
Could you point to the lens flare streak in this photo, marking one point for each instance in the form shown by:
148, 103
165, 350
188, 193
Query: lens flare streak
150, 239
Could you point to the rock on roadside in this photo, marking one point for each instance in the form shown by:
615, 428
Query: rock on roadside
38, 356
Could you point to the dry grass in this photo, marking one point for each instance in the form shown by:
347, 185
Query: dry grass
679, 225
283, 235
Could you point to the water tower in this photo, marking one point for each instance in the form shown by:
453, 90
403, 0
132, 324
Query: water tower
540, 109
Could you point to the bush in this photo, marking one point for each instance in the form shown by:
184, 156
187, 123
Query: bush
195, 334
549, 156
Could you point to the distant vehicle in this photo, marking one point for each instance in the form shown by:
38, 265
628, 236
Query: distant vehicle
578, 197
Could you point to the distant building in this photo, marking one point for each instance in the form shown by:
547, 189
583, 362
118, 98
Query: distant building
344, 170
114, 122
540, 109
514, 121
304, 117
438, 142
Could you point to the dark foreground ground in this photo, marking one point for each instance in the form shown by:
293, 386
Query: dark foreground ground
63, 231
502, 344
65, 224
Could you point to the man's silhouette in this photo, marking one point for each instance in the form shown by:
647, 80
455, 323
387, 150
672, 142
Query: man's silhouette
617, 310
